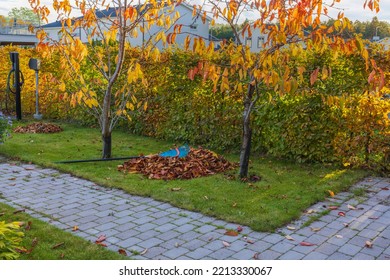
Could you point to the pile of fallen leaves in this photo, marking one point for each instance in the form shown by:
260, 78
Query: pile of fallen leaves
198, 163
38, 127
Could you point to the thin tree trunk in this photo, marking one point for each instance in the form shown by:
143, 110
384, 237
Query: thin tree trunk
105, 125
106, 145
247, 133
245, 150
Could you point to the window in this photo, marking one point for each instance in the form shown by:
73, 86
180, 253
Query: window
248, 41
260, 42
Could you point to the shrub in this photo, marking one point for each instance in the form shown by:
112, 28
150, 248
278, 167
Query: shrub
10, 239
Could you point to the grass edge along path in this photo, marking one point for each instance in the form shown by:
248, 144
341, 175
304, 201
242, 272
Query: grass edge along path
284, 191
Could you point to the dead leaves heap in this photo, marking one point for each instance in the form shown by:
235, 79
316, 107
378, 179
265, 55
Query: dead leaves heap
198, 163
38, 127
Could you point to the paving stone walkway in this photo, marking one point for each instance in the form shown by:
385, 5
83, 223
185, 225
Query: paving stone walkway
149, 229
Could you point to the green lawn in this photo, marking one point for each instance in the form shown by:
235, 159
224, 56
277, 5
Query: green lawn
284, 191
46, 242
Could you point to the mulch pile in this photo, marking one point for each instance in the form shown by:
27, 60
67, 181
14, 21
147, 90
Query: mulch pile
38, 127
198, 163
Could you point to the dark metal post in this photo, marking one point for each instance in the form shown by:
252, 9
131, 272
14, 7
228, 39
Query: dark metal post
17, 84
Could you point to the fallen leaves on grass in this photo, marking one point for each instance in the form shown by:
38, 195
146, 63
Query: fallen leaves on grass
198, 163
331, 193
38, 127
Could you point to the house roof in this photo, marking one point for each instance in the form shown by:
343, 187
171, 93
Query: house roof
99, 14
107, 13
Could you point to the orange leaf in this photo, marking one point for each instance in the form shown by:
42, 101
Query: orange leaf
331, 193
314, 76
231, 233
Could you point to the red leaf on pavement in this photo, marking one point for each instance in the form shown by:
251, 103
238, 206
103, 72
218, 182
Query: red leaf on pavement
342, 214
385, 189
101, 238
101, 244
239, 228
306, 244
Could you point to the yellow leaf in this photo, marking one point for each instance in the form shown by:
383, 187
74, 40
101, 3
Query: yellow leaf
62, 87
331, 193
130, 106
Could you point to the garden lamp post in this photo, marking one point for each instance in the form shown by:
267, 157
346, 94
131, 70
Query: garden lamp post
35, 64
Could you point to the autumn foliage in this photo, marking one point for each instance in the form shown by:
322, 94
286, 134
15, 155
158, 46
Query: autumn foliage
310, 95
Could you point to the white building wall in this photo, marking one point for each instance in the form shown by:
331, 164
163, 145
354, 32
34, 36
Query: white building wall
256, 41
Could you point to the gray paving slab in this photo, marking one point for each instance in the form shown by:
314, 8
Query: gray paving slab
137, 223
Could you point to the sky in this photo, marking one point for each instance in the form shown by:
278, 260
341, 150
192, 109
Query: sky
353, 9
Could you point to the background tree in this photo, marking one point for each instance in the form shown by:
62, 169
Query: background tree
289, 24
89, 73
24, 14
222, 32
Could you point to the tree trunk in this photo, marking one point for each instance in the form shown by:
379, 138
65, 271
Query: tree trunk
105, 124
245, 150
247, 133
106, 145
